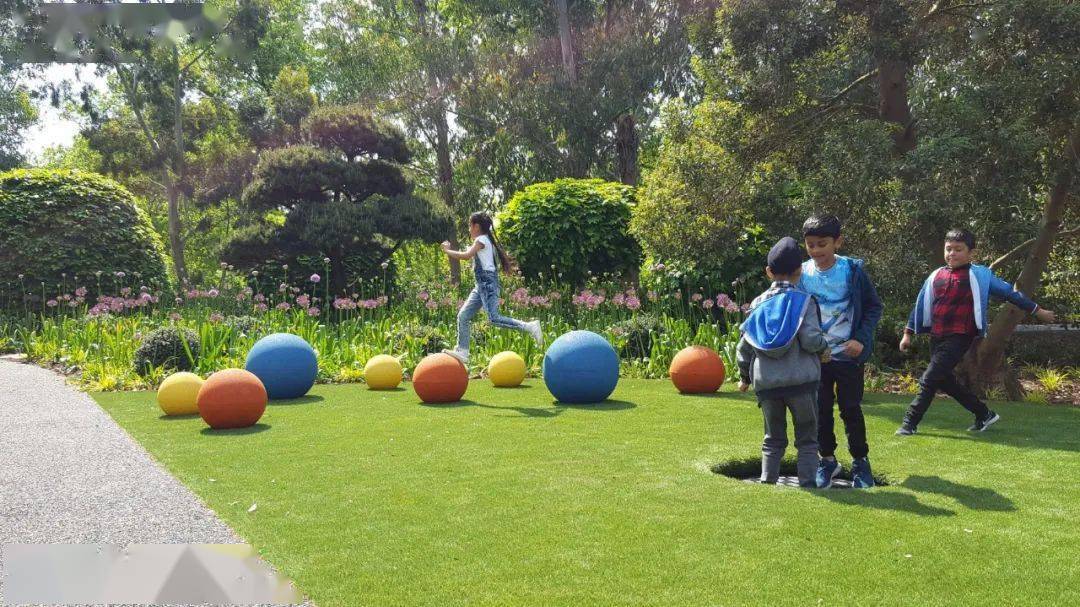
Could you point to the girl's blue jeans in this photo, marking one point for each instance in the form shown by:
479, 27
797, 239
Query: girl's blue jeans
484, 295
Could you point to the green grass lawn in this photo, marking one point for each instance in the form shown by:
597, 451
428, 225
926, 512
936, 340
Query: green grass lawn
370, 498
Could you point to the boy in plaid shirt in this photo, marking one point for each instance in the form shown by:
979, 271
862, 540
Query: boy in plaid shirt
952, 308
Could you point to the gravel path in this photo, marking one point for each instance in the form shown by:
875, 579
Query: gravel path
70, 475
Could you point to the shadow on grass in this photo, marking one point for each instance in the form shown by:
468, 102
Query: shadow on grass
303, 400
974, 498
526, 411
750, 467
730, 395
257, 428
607, 405
902, 502
397, 389
1037, 439
178, 418
1049, 431
705, 395
451, 405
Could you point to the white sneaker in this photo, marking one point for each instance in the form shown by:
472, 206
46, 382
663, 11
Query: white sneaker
534, 330
458, 353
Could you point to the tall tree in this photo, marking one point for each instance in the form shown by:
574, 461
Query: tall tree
572, 88
904, 117
407, 56
154, 78
17, 111
343, 193
1024, 60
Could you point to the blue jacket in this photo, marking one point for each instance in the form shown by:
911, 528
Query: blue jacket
984, 285
780, 343
866, 308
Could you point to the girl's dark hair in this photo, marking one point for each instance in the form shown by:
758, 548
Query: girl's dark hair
484, 221
961, 235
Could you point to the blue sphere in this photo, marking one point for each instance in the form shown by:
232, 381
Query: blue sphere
581, 367
285, 363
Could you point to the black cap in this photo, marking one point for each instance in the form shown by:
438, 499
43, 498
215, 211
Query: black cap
785, 257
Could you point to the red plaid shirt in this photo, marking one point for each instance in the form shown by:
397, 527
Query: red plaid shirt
953, 312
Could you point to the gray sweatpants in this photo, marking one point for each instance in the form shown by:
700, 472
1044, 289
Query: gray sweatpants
804, 414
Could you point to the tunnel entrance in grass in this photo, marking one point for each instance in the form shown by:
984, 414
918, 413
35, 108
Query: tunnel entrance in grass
749, 470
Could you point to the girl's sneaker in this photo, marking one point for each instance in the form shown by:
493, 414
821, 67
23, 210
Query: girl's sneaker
826, 471
861, 477
533, 327
458, 353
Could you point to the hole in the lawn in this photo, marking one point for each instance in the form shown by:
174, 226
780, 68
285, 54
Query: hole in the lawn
749, 469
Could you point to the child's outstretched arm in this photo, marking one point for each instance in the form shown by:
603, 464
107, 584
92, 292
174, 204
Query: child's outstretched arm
468, 253
1003, 290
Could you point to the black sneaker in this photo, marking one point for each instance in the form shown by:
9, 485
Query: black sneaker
981, 425
906, 430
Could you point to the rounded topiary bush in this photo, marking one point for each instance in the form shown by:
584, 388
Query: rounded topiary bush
569, 227
165, 347
62, 222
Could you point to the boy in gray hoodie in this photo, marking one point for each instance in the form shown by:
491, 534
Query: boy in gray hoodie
780, 354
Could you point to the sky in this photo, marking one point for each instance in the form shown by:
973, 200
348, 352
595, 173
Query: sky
54, 127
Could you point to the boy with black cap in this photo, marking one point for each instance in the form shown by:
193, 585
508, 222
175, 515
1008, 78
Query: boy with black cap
780, 354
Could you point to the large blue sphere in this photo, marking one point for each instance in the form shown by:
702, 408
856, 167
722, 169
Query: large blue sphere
581, 367
285, 363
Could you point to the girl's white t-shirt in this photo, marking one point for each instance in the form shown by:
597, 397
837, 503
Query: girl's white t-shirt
486, 255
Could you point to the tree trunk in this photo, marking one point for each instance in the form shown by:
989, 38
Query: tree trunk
626, 146
893, 107
176, 241
893, 103
566, 44
443, 161
984, 363
446, 182
892, 35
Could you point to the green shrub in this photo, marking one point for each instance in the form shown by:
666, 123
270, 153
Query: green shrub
243, 324
639, 332
426, 337
59, 224
569, 227
701, 210
165, 347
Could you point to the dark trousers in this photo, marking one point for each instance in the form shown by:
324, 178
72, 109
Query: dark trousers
842, 383
945, 353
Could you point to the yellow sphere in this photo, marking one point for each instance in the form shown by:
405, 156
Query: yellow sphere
506, 370
179, 393
382, 372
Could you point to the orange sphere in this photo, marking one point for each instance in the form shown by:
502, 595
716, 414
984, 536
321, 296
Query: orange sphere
697, 370
440, 378
231, 398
